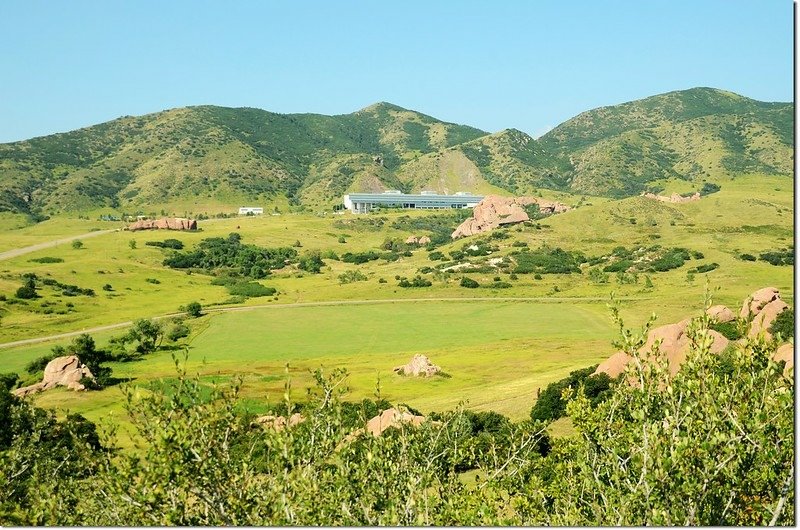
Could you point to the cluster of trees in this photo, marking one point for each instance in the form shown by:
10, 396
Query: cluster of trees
29, 287
216, 254
712, 444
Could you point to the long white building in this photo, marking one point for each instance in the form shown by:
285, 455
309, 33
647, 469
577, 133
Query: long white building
364, 202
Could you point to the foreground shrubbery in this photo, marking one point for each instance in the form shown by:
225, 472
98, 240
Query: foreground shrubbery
712, 445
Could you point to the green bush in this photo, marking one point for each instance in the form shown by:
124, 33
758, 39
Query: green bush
194, 309
47, 259
417, 281
174, 244
550, 404
729, 330
784, 324
747, 257
311, 262
469, 283
250, 289
352, 276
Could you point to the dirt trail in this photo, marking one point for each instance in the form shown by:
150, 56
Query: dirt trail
13, 253
96, 329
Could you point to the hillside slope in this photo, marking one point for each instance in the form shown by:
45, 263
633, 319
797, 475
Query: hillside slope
231, 155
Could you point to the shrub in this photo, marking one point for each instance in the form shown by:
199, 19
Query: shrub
77, 244
550, 404
26, 292
174, 244
194, 309
178, 331
729, 330
417, 281
250, 289
352, 276
47, 259
152, 280
708, 267
311, 262
747, 257
469, 283
784, 324
107, 287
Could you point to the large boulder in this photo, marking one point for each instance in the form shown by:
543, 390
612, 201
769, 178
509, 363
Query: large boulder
62, 371
764, 306
280, 422
392, 418
419, 365
177, 223
494, 211
721, 313
785, 353
674, 344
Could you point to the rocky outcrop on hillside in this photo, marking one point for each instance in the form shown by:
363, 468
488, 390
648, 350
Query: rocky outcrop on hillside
421, 240
392, 418
764, 305
674, 198
674, 345
165, 223
419, 365
62, 371
495, 211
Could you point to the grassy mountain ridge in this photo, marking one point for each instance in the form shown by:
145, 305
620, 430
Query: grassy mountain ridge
228, 155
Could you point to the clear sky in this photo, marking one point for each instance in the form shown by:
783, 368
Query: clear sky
492, 64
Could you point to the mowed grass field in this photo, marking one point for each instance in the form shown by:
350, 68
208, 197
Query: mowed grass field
497, 352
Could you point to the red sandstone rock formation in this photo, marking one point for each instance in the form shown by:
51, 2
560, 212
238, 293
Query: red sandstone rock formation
176, 223
494, 211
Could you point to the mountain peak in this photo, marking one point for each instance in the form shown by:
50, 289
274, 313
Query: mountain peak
381, 106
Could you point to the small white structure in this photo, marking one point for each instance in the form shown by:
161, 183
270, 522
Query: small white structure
253, 210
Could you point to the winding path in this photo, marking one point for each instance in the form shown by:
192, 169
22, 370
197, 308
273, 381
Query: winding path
13, 253
107, 327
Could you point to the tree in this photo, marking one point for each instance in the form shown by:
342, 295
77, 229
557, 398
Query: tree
311, 262
194, 309
132, 244
147, 333
77, 244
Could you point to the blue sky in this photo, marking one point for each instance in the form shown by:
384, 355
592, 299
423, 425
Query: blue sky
492, 64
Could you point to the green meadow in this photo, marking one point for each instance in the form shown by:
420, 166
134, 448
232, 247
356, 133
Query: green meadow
497, 346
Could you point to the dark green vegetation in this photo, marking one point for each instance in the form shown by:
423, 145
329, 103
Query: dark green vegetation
550, 404
228, 155
784, 324
220, 255
698, 436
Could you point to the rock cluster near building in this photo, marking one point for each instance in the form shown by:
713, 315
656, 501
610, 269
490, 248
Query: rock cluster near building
166, 223
764, 305
495, 211
674, 198
419, 365
62, 371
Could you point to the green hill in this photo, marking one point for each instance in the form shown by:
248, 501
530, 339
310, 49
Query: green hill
226, 156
